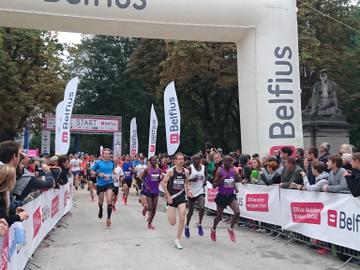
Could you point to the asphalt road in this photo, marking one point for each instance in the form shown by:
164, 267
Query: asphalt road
87, 244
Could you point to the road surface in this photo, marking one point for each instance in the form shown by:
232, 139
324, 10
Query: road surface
87, 244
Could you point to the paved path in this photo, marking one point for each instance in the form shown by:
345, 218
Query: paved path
87, 244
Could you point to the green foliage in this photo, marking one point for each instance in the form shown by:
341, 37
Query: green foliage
31, 82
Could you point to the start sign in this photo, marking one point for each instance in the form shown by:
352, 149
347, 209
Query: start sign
89, 124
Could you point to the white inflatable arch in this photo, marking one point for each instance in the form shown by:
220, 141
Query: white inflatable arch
265, 33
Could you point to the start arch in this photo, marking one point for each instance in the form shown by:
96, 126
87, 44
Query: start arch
265, 32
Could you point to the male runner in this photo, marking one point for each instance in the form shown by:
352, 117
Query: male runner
75, 169
139, 171
118, 176
175, 185
197, 180
152, 177
225, 179
92, 178
128, 173
104, 169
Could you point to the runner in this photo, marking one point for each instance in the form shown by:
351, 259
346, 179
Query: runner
197, 180
128, 172
225, 179
92, 178
139, 171
152, 177
175, 185
118, 176
76, 170
104, 169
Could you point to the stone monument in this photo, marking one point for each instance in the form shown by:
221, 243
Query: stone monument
323, 121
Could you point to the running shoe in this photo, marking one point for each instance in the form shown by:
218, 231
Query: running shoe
200, 230
213, 234
151, 227
100, 215
177, 244
231, 234
108, 222
144, 211
187, 232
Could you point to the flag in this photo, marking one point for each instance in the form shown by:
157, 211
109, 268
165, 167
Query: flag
152, 132
172, 119
134, 143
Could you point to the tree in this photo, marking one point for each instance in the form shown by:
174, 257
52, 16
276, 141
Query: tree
31, 78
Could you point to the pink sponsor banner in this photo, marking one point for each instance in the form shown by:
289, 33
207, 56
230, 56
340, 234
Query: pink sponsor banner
4, 252
329, 217
257, 202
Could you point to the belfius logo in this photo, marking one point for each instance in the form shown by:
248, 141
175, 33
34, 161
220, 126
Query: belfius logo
343, 220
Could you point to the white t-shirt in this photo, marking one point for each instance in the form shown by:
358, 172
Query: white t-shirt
140, 170
118, 172
75, 164
197, 188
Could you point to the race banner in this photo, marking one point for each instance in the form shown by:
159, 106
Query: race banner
260, 202
172, 119
24, 237
257, 202
45, 141
89, 124
134, 142
117, 144
58, 116
69, 100
152, 132
329, 217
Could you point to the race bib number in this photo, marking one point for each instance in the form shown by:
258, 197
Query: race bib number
115, 178
178, 184
107, 176
127, 173
229, 183
155, 177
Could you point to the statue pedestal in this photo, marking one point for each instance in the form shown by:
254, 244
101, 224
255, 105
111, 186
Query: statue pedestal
334, 130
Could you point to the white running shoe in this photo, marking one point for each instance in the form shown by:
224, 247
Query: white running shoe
177, 244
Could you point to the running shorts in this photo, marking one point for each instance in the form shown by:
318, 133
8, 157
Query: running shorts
178, 200
100, 189
223, 200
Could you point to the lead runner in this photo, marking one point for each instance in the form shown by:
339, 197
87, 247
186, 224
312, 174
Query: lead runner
225, 179
175, 185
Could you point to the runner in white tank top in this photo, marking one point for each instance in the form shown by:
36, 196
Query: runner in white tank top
197, 180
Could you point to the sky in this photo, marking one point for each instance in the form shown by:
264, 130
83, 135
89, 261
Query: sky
69, 38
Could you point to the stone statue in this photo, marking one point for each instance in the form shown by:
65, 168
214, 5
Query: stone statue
324, 100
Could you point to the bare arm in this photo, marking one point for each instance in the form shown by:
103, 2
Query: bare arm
217, 179
164, 183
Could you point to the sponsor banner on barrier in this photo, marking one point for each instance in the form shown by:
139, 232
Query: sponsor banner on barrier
333, 218
260, 202
256, 202
44, 213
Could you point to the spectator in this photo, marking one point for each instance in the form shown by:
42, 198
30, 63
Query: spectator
345, 149
9, 153
291, 173
337, 181
27, 183
312, 155
244, 170
346, 161
7, 183
285, 154
271, 175
300, 153
63, 163
324, 151
353, 176
255, 176
321, 177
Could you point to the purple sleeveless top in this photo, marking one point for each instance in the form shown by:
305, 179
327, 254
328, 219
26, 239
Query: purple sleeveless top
228, 186
152, 181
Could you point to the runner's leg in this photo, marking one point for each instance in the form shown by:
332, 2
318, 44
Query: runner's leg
101, 202
109, 198
190, 212
171, 211
219, 214
152, 205
182, 214
201, 204
235, 207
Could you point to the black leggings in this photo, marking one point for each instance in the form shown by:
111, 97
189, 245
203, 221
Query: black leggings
201, 203
152, 202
